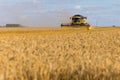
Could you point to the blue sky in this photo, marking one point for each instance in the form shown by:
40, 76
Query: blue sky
54, 12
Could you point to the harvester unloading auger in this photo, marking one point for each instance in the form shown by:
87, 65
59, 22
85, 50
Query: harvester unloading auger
78, 21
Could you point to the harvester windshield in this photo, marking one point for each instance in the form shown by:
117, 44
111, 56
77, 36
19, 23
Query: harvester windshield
76, 19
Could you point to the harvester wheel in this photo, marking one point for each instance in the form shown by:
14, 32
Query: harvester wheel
90, 27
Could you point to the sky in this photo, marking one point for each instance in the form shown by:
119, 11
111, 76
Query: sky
51, 13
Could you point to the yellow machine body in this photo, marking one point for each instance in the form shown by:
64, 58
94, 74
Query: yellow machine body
78, 20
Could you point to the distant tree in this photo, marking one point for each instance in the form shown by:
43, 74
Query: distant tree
113, 26
13, 25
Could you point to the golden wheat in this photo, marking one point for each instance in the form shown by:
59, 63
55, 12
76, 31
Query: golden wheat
59, 54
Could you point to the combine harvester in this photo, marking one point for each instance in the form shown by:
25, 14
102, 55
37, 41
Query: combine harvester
77, 21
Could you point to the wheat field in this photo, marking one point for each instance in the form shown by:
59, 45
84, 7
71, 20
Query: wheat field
59, 54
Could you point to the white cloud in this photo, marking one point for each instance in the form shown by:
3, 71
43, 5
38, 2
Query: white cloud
40, 11
35, 1
24, 16
77, 7
95, 7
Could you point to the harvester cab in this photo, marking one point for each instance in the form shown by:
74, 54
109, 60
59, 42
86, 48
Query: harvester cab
77, 21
